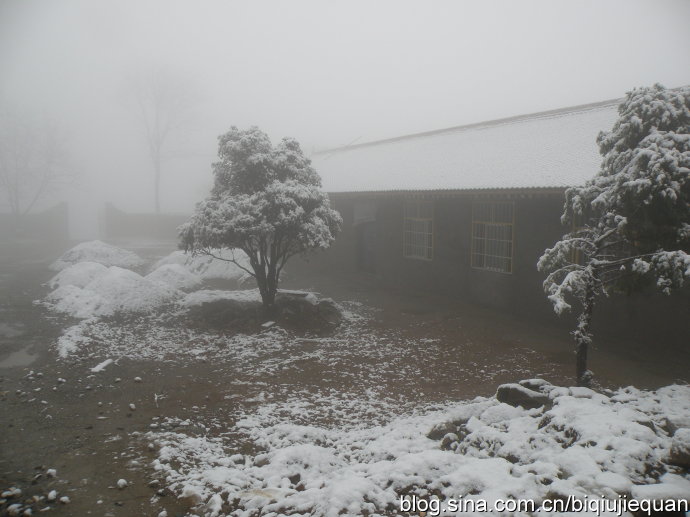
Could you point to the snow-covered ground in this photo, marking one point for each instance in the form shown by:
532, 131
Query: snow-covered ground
340, 425
588, 444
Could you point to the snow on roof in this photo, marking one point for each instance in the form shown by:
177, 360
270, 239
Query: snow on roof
550, 149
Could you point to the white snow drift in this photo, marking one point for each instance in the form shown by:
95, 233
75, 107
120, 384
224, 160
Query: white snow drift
113, 290
100, 252
175, 275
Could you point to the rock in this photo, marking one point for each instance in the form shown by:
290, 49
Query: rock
537, 385
226, 313
64, 499
680, 448
516, 395
304, 311
440, 430
52, 495
12, 492
676, 421
122, 483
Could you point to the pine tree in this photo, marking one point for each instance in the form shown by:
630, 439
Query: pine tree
633, 217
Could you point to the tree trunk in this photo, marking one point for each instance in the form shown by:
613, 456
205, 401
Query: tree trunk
267, 288
583, 338
156, 187
268, 299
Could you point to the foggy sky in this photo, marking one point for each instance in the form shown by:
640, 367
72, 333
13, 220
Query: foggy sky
327, 73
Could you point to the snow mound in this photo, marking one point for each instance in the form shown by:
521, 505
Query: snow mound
596, 446
208, 267
175, 275
116, 290
100, 252
78, 275
77, 302
213, 295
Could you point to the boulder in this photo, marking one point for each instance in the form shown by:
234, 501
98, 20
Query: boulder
304, 311
680, 448
517, 395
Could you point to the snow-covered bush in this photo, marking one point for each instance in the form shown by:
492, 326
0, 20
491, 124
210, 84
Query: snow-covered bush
267, 202
633, 217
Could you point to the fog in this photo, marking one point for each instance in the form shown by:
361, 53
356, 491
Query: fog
326, 73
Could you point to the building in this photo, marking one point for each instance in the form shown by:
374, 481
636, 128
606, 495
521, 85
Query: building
468, 210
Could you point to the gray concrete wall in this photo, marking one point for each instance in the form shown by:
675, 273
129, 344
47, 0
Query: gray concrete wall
647, 316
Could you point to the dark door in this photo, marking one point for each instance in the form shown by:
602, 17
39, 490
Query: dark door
366, 247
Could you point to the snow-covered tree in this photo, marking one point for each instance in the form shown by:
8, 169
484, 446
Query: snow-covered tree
632, 220
267, 202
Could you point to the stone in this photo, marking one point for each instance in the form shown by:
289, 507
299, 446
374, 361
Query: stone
516, 395
680, 448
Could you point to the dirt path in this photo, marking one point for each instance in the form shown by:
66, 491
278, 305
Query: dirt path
399, 352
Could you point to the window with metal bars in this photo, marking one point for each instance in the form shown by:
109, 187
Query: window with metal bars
492, 235
418, 230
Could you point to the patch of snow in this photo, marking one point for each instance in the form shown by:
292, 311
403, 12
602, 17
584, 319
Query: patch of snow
101, 366
100, 252
71, 340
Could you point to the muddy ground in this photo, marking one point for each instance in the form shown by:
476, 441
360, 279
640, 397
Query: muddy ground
57, 414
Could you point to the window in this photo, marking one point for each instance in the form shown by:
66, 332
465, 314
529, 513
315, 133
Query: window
418, 230
492, 236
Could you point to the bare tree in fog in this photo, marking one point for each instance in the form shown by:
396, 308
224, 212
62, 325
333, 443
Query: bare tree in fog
32, 162
164, 101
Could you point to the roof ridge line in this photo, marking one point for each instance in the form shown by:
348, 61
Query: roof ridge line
581, 108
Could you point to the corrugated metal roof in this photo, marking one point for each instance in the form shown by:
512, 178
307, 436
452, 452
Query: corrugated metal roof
550, 149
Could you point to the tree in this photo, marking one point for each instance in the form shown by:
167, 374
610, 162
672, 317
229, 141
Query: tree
267, 202
163, 101
32, 162
632, 218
